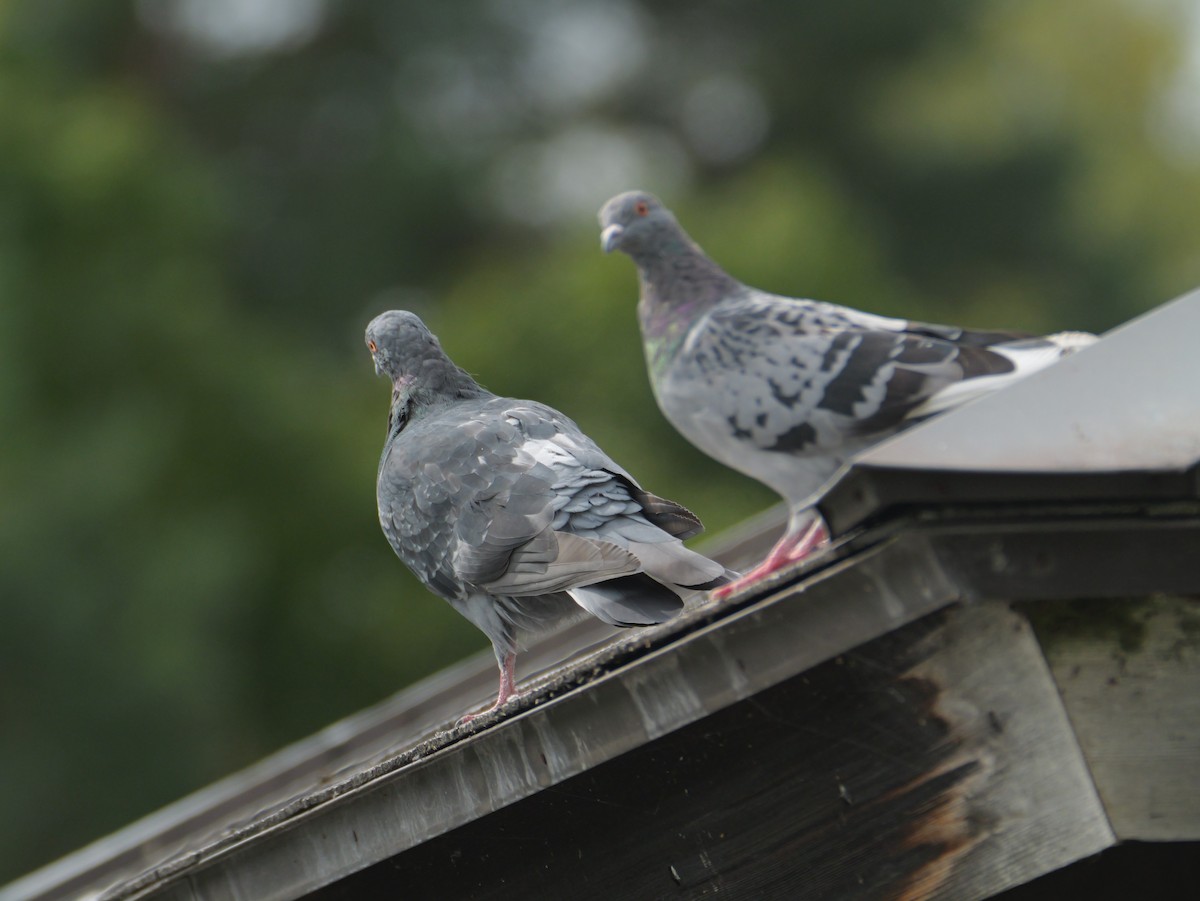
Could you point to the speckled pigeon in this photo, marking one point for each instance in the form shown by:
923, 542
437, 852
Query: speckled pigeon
786, 390
513, 515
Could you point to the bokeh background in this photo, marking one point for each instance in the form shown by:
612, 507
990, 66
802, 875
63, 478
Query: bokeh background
202, 203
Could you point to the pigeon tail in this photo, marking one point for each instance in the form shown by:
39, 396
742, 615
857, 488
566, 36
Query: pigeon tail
674, 564
635, 600
575, 561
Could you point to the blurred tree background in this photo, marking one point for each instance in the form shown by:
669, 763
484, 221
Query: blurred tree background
202, 203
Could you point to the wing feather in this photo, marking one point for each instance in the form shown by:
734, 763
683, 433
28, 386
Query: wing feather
793, 376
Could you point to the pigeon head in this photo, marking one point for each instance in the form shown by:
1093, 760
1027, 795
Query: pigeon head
638, 224
411, 356
399, 343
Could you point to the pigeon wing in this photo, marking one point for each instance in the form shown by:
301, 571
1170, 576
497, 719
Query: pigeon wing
798, 375
510, 537
544, 422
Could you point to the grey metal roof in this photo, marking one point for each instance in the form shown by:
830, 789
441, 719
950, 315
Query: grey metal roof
1032, 494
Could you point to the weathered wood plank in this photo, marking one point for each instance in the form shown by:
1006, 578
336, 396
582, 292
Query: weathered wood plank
933, 762
1129, 674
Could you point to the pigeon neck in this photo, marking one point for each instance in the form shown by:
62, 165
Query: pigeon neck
677, 287
438, 384
459, 385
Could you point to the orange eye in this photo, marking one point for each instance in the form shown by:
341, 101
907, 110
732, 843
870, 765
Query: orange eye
371, 346
641, 208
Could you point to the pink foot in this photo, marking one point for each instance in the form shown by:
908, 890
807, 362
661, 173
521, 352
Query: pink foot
790, 549
508, 687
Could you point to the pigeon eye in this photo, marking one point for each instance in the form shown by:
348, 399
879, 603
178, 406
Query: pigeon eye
641, 208
371, 346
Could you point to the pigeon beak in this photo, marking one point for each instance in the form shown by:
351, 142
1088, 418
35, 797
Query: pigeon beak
611, 237
375, 360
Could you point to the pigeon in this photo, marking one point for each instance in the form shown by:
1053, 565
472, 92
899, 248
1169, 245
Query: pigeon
786, 390
507, 510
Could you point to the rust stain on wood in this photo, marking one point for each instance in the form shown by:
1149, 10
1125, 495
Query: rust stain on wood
947, 828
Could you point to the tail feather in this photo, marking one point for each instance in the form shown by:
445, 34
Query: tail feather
566, 561
635, 600
671, 562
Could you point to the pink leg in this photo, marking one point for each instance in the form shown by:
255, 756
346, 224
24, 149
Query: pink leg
508, 686
792, 548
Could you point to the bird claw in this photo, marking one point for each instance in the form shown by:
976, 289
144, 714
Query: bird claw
468, 717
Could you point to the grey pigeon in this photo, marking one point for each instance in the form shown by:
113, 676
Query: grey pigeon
786, 390
511, 513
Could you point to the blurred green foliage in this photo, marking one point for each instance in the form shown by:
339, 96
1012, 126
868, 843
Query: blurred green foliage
200, 212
